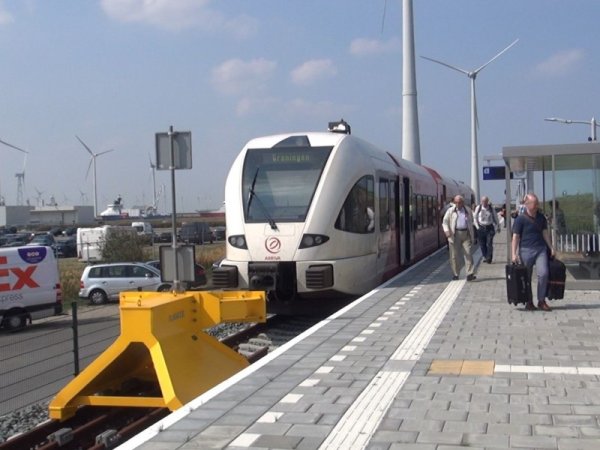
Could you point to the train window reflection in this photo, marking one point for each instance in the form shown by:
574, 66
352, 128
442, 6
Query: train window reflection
358, 212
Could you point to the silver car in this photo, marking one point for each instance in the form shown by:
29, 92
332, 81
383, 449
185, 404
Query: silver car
102, 282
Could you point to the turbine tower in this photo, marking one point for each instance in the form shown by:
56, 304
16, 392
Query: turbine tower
472, 74
93, 163
21, 183
411, 147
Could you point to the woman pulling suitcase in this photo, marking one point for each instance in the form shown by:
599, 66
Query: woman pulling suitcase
530, 246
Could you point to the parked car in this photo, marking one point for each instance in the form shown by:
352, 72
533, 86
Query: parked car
44, 239
15, 239
70, 231
196, 233
67, 247
219, 232
199, 274
55, 231
164, 237
103, 282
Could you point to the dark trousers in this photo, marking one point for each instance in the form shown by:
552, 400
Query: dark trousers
485, 237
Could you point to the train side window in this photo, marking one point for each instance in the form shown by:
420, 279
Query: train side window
427, 210
358, 212
384, 208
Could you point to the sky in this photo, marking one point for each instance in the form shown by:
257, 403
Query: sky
115, 72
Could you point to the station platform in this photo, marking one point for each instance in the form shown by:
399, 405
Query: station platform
423, 362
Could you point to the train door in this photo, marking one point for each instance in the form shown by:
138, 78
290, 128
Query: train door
409, 211
387, 256
398, 220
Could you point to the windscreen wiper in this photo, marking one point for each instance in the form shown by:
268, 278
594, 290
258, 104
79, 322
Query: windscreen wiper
252, 194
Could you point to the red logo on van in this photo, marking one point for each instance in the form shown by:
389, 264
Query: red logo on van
272, 244
23, 276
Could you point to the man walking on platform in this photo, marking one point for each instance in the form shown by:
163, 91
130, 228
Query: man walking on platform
531, 245
458, 227
486, 222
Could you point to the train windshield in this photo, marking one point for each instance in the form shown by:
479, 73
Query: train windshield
279, 183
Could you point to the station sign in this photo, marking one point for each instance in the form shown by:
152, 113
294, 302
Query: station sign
182, 150
495, 173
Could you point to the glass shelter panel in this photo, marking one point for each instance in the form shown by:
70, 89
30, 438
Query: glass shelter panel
566, 179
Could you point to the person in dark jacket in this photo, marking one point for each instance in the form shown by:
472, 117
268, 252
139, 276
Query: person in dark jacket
530, 245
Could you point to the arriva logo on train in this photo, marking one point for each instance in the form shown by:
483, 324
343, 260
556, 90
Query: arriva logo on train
272, 244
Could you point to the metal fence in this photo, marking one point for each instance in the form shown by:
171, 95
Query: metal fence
37, 362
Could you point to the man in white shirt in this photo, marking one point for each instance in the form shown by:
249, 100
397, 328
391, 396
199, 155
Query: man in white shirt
458, 227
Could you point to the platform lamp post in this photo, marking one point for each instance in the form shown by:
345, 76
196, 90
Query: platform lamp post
592, 123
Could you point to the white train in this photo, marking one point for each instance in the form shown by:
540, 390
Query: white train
314, 217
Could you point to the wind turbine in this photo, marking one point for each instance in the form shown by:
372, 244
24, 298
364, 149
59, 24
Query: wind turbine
21, 182
93, 163
20, 176
38, 198
153, 169
472, 74
83, 196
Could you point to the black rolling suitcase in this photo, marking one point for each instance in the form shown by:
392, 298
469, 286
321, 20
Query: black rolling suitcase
556, 279
518, 287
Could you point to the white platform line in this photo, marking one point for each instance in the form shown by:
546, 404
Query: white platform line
357, 425
560, 370
413, 345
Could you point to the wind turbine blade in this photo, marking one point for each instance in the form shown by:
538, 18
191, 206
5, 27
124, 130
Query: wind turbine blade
458, 69
86, 147
105, 151
12, 146
506, 49
152, 166
89, 166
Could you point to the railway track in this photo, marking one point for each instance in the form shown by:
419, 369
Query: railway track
104, 428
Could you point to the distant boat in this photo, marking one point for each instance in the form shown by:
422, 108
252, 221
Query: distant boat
114, 210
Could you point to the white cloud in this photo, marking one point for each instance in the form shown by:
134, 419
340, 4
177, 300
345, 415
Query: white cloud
560, 63
236, 76
5, 16
178, 15
313, 70
366, 47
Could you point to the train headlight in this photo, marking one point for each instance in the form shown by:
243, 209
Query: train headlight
313, 240
238, 241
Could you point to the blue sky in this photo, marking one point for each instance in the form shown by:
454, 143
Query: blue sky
115, 72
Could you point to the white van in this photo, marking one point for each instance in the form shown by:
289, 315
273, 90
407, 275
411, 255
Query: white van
143, 228
29, 285
91, 240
